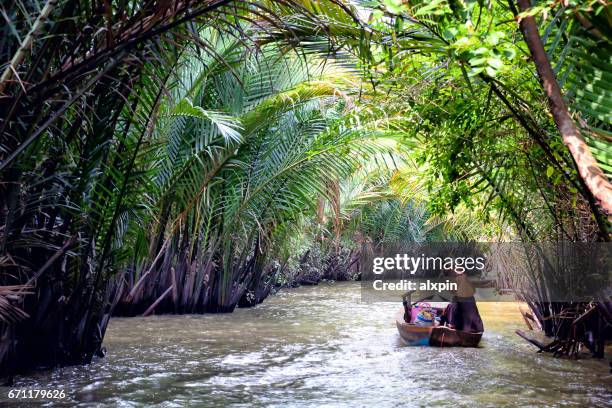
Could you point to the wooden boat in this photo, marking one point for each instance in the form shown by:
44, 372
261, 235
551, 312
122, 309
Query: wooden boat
437, 336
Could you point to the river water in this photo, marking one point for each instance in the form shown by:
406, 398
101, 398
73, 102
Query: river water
320, 346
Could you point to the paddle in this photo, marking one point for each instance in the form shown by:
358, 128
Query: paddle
431, 297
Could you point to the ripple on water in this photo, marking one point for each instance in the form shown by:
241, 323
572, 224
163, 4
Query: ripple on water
318, 346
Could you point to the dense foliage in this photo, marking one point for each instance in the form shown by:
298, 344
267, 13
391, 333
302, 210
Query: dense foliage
186, 156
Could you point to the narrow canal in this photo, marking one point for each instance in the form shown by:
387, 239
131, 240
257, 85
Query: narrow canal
320, 346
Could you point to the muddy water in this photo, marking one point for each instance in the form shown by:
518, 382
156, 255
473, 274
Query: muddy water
319, 346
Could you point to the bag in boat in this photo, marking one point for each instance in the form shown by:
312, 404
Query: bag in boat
423, 314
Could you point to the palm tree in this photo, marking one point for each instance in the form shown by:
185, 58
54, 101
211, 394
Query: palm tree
246, 148
81, 91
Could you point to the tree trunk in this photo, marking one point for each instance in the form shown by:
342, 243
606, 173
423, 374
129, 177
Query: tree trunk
588, 169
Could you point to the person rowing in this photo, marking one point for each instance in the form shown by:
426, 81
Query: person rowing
462, 312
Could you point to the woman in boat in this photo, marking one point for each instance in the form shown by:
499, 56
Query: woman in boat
462, 312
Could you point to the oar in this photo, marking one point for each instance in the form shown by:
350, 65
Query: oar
425, 298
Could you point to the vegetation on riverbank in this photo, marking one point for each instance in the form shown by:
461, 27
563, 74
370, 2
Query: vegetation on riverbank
183, 157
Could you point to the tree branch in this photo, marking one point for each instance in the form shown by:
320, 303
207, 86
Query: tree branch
588, 169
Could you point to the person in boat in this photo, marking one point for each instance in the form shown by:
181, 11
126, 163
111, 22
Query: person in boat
462, 312
407, 306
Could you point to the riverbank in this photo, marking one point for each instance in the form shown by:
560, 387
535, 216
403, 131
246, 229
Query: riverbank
320, 345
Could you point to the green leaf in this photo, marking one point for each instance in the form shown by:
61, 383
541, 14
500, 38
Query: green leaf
477, 61
395, 6
227, 125
495, 63
509, 53
491, 71
450, 33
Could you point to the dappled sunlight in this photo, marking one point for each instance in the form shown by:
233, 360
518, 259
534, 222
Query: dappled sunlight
191, 190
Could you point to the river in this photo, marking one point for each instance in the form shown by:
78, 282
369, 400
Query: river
320, 346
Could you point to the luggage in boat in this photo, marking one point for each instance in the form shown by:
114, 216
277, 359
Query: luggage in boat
423, 314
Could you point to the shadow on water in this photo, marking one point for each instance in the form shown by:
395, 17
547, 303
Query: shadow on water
317, 346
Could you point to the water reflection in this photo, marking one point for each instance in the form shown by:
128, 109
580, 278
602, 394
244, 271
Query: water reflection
317, 346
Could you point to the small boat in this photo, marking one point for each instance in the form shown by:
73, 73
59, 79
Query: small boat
436, 336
